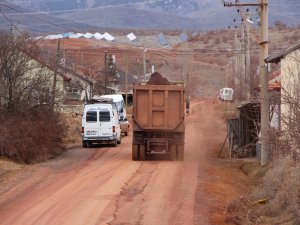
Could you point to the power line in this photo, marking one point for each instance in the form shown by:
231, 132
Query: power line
11, 23
40, 19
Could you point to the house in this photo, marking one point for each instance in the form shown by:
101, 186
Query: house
43, 69
121, 80
79, 87
289, 70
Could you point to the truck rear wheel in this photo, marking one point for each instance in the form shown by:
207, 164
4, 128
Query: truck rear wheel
142, 152
173, 152
84, 144
135, 153
180, 152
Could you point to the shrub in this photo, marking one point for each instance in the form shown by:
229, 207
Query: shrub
280, 187
31, 136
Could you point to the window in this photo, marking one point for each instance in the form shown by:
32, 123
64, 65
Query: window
104, 116
91, 116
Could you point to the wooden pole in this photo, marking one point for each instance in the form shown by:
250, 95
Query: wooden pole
243, 61
126, 82
55, 76
265, 108
247, 60
105, 73
144, 63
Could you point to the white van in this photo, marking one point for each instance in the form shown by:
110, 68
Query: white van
121, 108
100, 124
226, 94
120, 104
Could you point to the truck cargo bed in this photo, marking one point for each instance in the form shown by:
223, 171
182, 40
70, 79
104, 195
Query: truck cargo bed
158, 120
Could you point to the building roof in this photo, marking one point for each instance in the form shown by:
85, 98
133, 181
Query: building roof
276, 57
47, 65
122, 77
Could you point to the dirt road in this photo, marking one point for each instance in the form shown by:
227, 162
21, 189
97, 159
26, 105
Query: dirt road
102, 185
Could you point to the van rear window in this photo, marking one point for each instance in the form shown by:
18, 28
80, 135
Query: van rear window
91, 116
104, 116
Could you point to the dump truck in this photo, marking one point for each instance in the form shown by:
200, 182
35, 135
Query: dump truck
158, 118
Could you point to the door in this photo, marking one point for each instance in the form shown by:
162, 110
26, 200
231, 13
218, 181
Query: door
91, 124
105, 124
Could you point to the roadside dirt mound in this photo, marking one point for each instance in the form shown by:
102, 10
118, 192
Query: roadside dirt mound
158, 79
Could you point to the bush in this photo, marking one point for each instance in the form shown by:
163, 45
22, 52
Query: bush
280, 186
31, 136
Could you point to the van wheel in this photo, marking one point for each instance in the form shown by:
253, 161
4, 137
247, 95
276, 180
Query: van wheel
115, 143
84, 144
90, 144
126, 133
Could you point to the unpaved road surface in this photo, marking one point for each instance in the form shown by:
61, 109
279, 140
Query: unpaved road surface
102, 185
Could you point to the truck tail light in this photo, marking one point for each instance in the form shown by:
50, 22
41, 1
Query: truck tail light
113, 129
82, 130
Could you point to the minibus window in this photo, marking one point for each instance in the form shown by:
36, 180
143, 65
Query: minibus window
91, 116
104, 116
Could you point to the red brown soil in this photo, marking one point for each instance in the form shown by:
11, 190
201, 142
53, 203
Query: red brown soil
158, 79
102, 185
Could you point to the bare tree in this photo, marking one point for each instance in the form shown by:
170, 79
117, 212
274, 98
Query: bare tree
290, 110
22, 79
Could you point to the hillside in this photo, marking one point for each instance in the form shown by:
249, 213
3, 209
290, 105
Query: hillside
170, 14
24, 20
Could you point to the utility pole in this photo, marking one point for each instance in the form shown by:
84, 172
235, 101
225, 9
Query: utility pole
188, 83
235, 63
181, 75
263, 72
65, 60
239, 62
145, 71
126, 81
138, 70
243, 61
55, 76
105, 72
248, 76
239, 68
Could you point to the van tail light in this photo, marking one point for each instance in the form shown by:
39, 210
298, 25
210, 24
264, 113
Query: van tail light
82, 130
113, 129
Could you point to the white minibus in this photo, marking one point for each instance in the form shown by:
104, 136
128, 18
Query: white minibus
100, 124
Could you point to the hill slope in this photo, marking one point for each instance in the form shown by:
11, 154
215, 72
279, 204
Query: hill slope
161, 14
